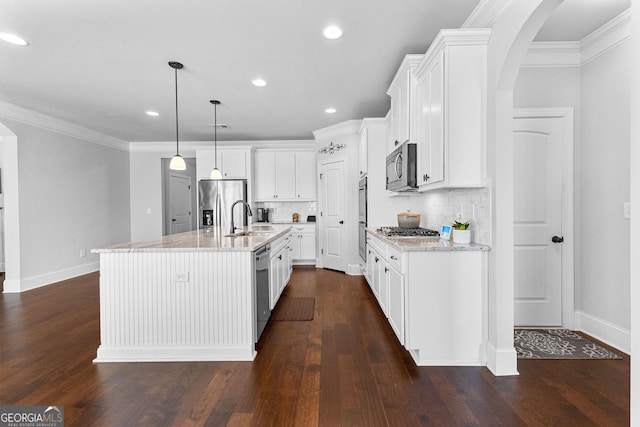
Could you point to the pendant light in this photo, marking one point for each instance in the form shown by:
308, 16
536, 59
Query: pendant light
177, 162
215, 172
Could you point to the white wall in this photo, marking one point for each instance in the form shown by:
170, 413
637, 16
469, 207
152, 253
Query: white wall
598, 92
604, 262
73, 195
146, 192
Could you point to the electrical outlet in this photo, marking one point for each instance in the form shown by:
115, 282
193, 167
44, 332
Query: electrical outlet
83, 253
181, 276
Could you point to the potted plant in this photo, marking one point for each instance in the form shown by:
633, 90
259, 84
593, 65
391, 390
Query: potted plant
461, 232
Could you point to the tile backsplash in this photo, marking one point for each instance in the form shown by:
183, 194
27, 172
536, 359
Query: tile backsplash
283, 211
445, 206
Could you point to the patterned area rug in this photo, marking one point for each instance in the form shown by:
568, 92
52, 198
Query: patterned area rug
557, 344
294, 308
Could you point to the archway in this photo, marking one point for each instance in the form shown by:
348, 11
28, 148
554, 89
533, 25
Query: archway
514, 25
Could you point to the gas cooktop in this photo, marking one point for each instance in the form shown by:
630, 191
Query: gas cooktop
408, 232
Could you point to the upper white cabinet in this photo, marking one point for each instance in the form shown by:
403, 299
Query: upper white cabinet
284, 175
363, 150
401, 93
233, 163
305, 175
449, 111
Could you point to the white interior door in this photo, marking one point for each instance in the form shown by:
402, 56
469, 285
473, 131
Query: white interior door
538, 164
332, 225
179, 203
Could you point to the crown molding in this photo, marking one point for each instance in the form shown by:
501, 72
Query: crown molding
577, 54
188, 148
485, 14
340, 129
553, 54
607, 37
43, 121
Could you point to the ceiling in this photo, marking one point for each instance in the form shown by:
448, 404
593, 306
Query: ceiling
102, 64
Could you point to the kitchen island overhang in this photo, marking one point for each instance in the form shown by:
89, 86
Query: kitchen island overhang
183, 297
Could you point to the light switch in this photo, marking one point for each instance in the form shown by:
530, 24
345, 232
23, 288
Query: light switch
627, 210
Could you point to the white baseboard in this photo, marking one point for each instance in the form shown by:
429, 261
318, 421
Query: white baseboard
605, 331
354, 270
219, 353
33, 282
502, 362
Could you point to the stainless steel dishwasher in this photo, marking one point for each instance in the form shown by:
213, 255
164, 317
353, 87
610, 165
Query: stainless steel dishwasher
261, 276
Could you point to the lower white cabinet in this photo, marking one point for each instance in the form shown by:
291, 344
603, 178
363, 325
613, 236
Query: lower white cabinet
279, 269
435, 301
302, 241
395, 305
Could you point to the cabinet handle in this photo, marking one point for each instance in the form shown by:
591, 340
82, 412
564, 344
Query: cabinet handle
426, 177
279, 256
386, 269
393, 257
377, 259
396, 142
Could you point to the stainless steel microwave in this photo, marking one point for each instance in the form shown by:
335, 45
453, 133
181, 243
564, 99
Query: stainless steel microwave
402, 168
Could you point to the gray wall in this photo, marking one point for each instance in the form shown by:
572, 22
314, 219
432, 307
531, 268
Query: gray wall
598, 91
74, 194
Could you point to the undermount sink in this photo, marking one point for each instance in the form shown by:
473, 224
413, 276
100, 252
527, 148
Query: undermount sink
249, 234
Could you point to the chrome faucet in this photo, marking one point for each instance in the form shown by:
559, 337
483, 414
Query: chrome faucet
233, 227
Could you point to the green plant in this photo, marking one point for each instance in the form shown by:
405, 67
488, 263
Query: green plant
460, 225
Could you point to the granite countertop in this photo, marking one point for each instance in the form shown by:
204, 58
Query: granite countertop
206, 240
407, 244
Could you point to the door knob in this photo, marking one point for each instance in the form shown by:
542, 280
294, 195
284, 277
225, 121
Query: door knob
556, 239
341, 222
173, 220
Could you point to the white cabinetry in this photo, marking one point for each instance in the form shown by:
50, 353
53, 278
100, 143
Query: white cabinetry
363, 150
305, 175
436, 308
302, 243
233, 163
279, 269
401, 93
284, 175
449, 114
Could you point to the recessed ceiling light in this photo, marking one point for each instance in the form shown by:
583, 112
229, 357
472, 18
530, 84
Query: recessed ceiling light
330, 110
259, 82
153, 113
13, 39
332, 32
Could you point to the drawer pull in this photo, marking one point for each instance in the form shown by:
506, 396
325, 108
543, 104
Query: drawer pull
393, 258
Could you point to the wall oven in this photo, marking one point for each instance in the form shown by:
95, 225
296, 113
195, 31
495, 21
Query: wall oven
362, 218
402, 168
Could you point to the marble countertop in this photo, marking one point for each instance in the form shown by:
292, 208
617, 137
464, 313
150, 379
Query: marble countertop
407, 244
206, 240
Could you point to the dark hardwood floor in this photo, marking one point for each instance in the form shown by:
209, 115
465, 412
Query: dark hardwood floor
344, 367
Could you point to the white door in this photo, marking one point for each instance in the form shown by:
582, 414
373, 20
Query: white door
332, 213
179, 203
538, 220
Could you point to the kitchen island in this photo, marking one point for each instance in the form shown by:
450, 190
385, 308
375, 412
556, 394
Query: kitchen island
183, 297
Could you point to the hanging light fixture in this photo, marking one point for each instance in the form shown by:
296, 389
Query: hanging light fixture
215, 172
177, 162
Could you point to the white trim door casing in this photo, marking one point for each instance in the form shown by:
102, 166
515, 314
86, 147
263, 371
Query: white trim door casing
558, 219
332, 216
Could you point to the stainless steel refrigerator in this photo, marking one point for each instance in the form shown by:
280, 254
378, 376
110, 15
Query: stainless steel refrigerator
215, 197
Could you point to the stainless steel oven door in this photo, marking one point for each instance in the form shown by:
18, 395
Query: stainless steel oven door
362, 240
